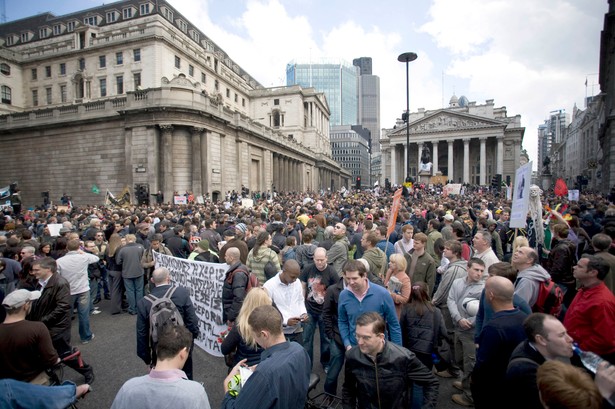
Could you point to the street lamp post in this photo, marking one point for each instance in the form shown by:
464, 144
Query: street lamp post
407, 57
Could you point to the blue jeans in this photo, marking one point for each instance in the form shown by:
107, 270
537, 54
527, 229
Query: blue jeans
336, 362
93, 291
83, 312
15, 394
309, 328
134, 292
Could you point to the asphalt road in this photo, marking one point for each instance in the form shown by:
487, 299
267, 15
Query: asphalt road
113, 355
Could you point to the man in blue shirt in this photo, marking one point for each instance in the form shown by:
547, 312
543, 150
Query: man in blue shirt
362, 296
281, 379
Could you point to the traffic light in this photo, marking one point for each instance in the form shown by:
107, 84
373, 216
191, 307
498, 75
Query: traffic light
358, 183
496, 181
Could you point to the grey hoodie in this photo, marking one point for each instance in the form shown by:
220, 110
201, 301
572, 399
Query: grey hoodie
528, 282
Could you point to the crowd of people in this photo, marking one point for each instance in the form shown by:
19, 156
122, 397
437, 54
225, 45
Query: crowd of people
451, 291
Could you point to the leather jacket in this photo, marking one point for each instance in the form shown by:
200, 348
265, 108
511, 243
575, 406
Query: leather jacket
385, 383
53, 307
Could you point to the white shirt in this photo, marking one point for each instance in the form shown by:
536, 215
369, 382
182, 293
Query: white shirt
289, 300
74, 268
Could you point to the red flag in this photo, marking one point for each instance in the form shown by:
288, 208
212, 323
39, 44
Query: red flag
560, 188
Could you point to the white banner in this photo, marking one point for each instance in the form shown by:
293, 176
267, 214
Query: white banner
451, 189
180, 200
521, 196
204, 281
573, 195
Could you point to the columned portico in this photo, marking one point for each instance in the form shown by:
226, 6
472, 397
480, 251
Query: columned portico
490, 138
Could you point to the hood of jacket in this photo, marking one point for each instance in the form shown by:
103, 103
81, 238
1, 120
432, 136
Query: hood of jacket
535, 272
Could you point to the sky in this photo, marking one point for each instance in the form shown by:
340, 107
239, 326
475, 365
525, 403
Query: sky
532, 57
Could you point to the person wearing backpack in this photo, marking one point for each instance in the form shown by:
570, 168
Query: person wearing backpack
531, 274
161, 294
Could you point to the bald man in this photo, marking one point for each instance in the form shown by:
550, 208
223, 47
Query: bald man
497, 341
286, 291
146, 350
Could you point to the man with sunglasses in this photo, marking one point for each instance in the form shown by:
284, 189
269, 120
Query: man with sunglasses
338, 253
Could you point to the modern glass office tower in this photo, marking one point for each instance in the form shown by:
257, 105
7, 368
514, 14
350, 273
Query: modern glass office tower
339, 82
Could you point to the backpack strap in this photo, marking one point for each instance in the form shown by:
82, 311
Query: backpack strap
170, 292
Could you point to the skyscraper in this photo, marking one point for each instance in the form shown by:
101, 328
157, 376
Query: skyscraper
337, 80
369, 110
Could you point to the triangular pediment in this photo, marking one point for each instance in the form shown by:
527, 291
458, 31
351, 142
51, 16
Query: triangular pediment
444, 120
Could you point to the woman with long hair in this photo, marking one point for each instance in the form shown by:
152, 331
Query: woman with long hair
400, 286
240, 340
422, 326
263, 261
422, 330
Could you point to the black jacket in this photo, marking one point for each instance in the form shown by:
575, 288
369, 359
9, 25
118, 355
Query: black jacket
521, 376
53, 307
234, 291
329, 313
181, 298
386, 382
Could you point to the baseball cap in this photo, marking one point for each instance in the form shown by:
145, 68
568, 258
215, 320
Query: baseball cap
18, 298
449, 217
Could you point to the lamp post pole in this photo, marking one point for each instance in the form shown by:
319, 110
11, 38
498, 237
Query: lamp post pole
407, 57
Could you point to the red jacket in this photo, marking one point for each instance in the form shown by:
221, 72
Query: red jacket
590, 319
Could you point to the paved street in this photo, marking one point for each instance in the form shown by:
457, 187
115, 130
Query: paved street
113, 355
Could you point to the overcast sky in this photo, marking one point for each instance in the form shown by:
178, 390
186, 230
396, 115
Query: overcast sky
531, 56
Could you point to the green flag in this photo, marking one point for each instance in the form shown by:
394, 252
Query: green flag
95, 190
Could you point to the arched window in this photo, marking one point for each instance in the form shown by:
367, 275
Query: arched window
6, 94
5, 69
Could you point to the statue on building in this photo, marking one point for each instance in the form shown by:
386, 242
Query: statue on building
425, 165
545, 166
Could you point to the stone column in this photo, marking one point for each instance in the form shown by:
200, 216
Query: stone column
205, 169
499, 160
518, 154
451, 173
197, 181
167, 161
434, 158
483, 161
466, 160
393, 164
405, 167
419, 148
383, 166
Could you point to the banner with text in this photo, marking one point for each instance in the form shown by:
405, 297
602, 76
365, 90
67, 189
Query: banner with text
204, 281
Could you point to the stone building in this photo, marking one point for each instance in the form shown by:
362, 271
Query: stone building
467, 144
133, 93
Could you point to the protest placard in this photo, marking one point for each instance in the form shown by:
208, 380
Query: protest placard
204, 281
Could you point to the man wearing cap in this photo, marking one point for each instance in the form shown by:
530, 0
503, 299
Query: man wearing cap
447, 228
233, 241
25, 346
53, 309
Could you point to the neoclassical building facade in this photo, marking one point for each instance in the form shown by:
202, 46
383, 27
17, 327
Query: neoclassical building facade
468, 143
133, 93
